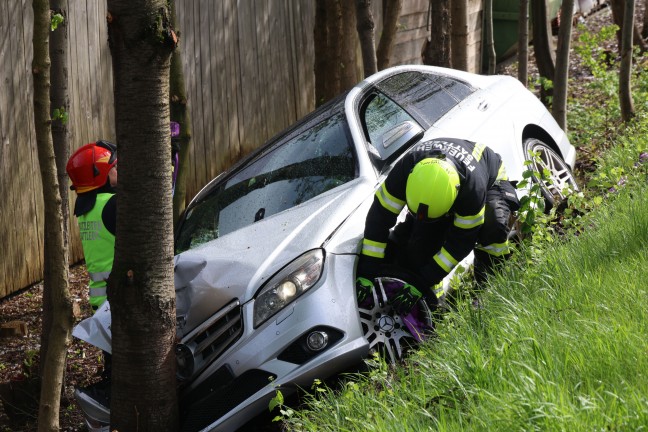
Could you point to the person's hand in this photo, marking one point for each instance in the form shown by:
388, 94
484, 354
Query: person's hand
403, 302
364, 287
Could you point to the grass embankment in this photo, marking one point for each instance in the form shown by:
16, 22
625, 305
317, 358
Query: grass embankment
561, 343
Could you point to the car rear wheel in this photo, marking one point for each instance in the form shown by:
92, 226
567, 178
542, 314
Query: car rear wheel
560, 182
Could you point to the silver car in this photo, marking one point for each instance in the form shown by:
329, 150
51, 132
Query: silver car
266, 252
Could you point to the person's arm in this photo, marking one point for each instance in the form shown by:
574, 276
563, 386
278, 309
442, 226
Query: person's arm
109, 215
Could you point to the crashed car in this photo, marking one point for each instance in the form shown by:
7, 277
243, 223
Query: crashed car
266, 252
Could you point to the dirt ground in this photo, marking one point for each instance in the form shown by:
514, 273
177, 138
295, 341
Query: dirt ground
19, 354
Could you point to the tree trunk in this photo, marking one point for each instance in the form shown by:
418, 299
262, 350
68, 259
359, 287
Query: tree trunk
490, 39
181, 113
56, 252
644, 28
140, 287
320, 37
460, 32
543, 45
365, 24
391, 13
618, 11
561, 79
60, 101
625, 93
348, 47
523, 43
437, 48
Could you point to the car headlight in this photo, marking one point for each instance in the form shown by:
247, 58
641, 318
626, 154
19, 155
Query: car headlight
288, 284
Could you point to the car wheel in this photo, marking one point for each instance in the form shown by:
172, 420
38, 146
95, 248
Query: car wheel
561, 181
388, 333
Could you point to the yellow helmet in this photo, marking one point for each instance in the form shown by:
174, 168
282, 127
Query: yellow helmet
432, 188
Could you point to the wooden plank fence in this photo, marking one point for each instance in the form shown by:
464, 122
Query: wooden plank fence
248, 68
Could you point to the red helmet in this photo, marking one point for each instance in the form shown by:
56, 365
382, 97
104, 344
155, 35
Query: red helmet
88, 167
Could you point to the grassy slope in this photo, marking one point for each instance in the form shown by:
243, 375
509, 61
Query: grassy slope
562, 342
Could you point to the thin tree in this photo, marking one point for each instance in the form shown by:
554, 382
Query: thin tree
365, 25
56, 251
348, 62
460, 33
561, 78
523, 43
490, 38
618, 13
391, 13
625, 93
644, 28
543, 46
181, 113
140, 286
327, 40
437, 46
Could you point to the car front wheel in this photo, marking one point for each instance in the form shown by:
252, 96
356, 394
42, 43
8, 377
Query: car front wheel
559, 181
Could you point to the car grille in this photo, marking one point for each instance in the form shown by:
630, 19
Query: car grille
214, 336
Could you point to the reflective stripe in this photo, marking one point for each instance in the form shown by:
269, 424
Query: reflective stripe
389, 201
467, 222
99, 277
373, 248
98, 292
445, 260
478, 151
496, 249
501, 174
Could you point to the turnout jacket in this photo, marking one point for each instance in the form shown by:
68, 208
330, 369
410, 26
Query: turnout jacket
479, 167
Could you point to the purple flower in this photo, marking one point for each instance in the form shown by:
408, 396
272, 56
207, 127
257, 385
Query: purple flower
643, 157
622, 181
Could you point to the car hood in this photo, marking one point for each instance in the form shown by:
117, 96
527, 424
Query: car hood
234, 266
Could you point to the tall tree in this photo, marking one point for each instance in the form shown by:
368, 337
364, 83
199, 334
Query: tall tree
348, 47
490, 38
561, 78
56, 251
625, 93
391, 13
437, 47
60, 105
365, 24
460, 34
140, 287
523, 43
327, 35
543, 44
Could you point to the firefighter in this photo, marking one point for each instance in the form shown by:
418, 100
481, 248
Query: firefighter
93, 172
458, 200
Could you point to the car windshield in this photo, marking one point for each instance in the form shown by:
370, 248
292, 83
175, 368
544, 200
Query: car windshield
289, 173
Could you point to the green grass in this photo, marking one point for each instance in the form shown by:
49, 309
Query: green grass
561, 343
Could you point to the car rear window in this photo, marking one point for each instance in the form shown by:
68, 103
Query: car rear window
288, 174
425, 96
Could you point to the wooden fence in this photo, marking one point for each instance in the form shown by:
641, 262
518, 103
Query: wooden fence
249, 71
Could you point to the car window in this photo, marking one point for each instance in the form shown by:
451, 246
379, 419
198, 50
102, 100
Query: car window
288, 174
425, 96
380, 116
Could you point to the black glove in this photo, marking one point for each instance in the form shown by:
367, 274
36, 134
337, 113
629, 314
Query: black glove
403, 302
364, 287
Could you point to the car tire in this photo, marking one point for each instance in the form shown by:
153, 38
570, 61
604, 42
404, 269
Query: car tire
561, 179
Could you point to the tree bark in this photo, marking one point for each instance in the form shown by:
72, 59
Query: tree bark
365, 25
490, 39
140, 287
625, 71
391, 13
543, 45
561, 79
644, 28
181, 113
56, 252
437, 47
523, 43
320, 36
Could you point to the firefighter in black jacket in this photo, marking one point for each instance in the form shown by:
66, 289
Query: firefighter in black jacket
458, 199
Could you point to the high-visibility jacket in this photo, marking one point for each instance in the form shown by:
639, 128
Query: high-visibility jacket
479, 167
98, 248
